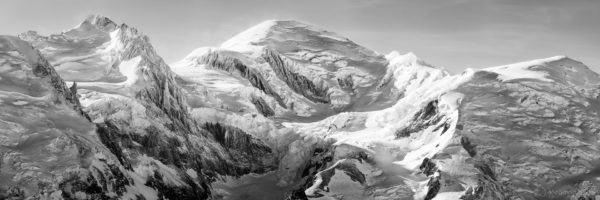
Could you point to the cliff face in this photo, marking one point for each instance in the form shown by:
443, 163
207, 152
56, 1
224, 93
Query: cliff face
298, 83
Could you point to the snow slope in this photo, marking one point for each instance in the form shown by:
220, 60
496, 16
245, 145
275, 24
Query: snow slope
522, 70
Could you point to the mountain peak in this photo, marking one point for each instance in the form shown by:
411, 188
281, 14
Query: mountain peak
396, 58
530, 63
91, 25
256, 32
523, 70
395, 54
280, 31
99, 21
300, 40
560, 69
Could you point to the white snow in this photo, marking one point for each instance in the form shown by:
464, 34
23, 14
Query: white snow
411, 73
243, 40
115, 43
449, 195
214, 79
253, 34
192, 173
129, 69
195, 54
523, 69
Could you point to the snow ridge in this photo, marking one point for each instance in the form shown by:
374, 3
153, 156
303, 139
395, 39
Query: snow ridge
523, 70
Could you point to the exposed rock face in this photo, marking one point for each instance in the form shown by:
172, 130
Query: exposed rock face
246, 150
424, 118
297, 82
233, 65
262, 106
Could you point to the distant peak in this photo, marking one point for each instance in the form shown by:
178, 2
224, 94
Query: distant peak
252, 34
279, 30
392, 54
99, 21
524, 70
281, 22
104, 24
395, 54
288, 22
531, 63
395, 57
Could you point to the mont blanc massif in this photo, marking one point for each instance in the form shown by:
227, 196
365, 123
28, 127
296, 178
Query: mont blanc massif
286, 110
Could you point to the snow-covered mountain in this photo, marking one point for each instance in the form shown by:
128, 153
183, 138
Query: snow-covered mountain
127, 88
286, 110
291, 70
49, 147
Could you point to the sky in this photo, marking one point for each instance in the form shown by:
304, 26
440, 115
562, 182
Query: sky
455, 34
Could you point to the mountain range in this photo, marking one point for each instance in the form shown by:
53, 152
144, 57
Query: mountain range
286, 110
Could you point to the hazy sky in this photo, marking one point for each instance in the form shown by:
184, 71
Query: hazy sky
451, 33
